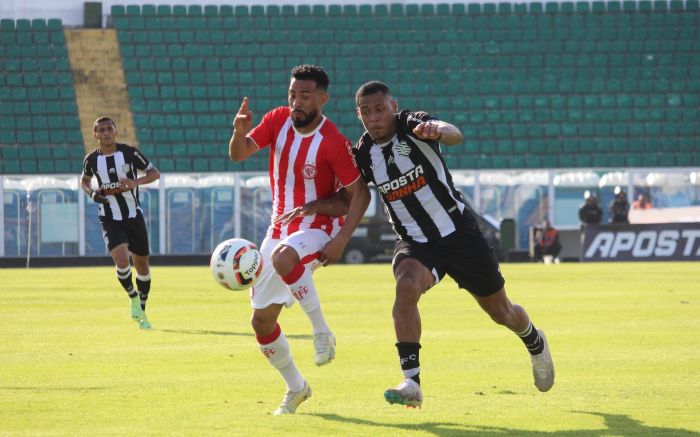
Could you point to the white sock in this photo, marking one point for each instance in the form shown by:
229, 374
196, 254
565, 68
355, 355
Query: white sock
301, 284
276, 349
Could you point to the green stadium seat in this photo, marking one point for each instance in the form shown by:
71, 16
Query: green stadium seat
567, 7
29, 166
520, 8
133, 10
614, 6
118, 11
489, 8
396, 9
505, 8
583, 7
551, 7
148, 10
38, 24
7, 24
163, 10
273, 11
23, 25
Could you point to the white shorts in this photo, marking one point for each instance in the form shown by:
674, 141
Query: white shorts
270, 288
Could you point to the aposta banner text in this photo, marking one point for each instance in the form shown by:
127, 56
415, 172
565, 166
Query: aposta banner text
651, 242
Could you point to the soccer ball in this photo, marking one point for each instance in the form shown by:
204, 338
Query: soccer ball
236, 264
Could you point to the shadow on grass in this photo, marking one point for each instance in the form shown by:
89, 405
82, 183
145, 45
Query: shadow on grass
616, 424
234, 334
54, 388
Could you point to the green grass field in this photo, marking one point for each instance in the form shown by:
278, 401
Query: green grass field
625, 340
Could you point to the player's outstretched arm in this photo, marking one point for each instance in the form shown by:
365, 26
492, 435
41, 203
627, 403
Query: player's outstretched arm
240, 146
358, 200
334, 206
437, 130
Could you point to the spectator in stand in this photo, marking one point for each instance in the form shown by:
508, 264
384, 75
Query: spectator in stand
547, 246
590, 213
619, 207
643, 201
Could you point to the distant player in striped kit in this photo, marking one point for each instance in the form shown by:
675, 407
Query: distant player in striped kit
123, 227
309, 161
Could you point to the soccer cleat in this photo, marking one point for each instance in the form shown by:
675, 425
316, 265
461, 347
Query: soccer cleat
324, 343
143, 322
407, 393
292, 400
543, 367
136, 311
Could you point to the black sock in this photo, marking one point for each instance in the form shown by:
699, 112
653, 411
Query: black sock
143, 284
532, 339
124, 276
408, 356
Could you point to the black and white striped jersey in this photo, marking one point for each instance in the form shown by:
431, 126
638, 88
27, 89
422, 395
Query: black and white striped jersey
109, 169
413, 180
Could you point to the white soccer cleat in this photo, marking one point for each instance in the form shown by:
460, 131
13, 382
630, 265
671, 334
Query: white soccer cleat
324, 344
292, 399
407, 393
543, 367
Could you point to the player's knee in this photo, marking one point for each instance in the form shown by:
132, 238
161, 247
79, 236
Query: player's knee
408, 290
284, 259
262, 325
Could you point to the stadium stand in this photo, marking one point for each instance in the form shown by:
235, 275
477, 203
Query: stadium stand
531, 85
39, 125
570, 84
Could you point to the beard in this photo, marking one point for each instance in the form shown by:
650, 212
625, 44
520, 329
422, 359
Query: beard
303, 122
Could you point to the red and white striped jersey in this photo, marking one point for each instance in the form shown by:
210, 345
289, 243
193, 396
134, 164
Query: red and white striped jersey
304, 167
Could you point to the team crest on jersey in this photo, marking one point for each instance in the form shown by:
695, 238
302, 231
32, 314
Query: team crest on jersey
403, 149
126, 168
112, 171
308, 171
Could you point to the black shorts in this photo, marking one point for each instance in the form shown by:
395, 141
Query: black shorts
464, 255
132, 231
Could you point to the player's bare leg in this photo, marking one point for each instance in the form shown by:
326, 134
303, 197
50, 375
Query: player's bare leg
300, 282
274, 346
143, 286
412, 279
514, 317
120, 255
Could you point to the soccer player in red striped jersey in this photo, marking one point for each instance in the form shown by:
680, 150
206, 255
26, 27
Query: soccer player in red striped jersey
309, 161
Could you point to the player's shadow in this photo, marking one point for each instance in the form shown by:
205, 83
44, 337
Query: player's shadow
31, 388
616, 424
228, 333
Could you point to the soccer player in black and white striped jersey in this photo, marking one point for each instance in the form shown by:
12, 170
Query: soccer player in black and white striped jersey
437, 233
115, 166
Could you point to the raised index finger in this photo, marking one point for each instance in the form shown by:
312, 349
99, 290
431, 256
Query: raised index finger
244, 105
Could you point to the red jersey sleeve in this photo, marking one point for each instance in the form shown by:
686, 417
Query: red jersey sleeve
342, 161
265, 133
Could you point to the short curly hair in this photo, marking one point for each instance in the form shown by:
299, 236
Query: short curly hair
312, 72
